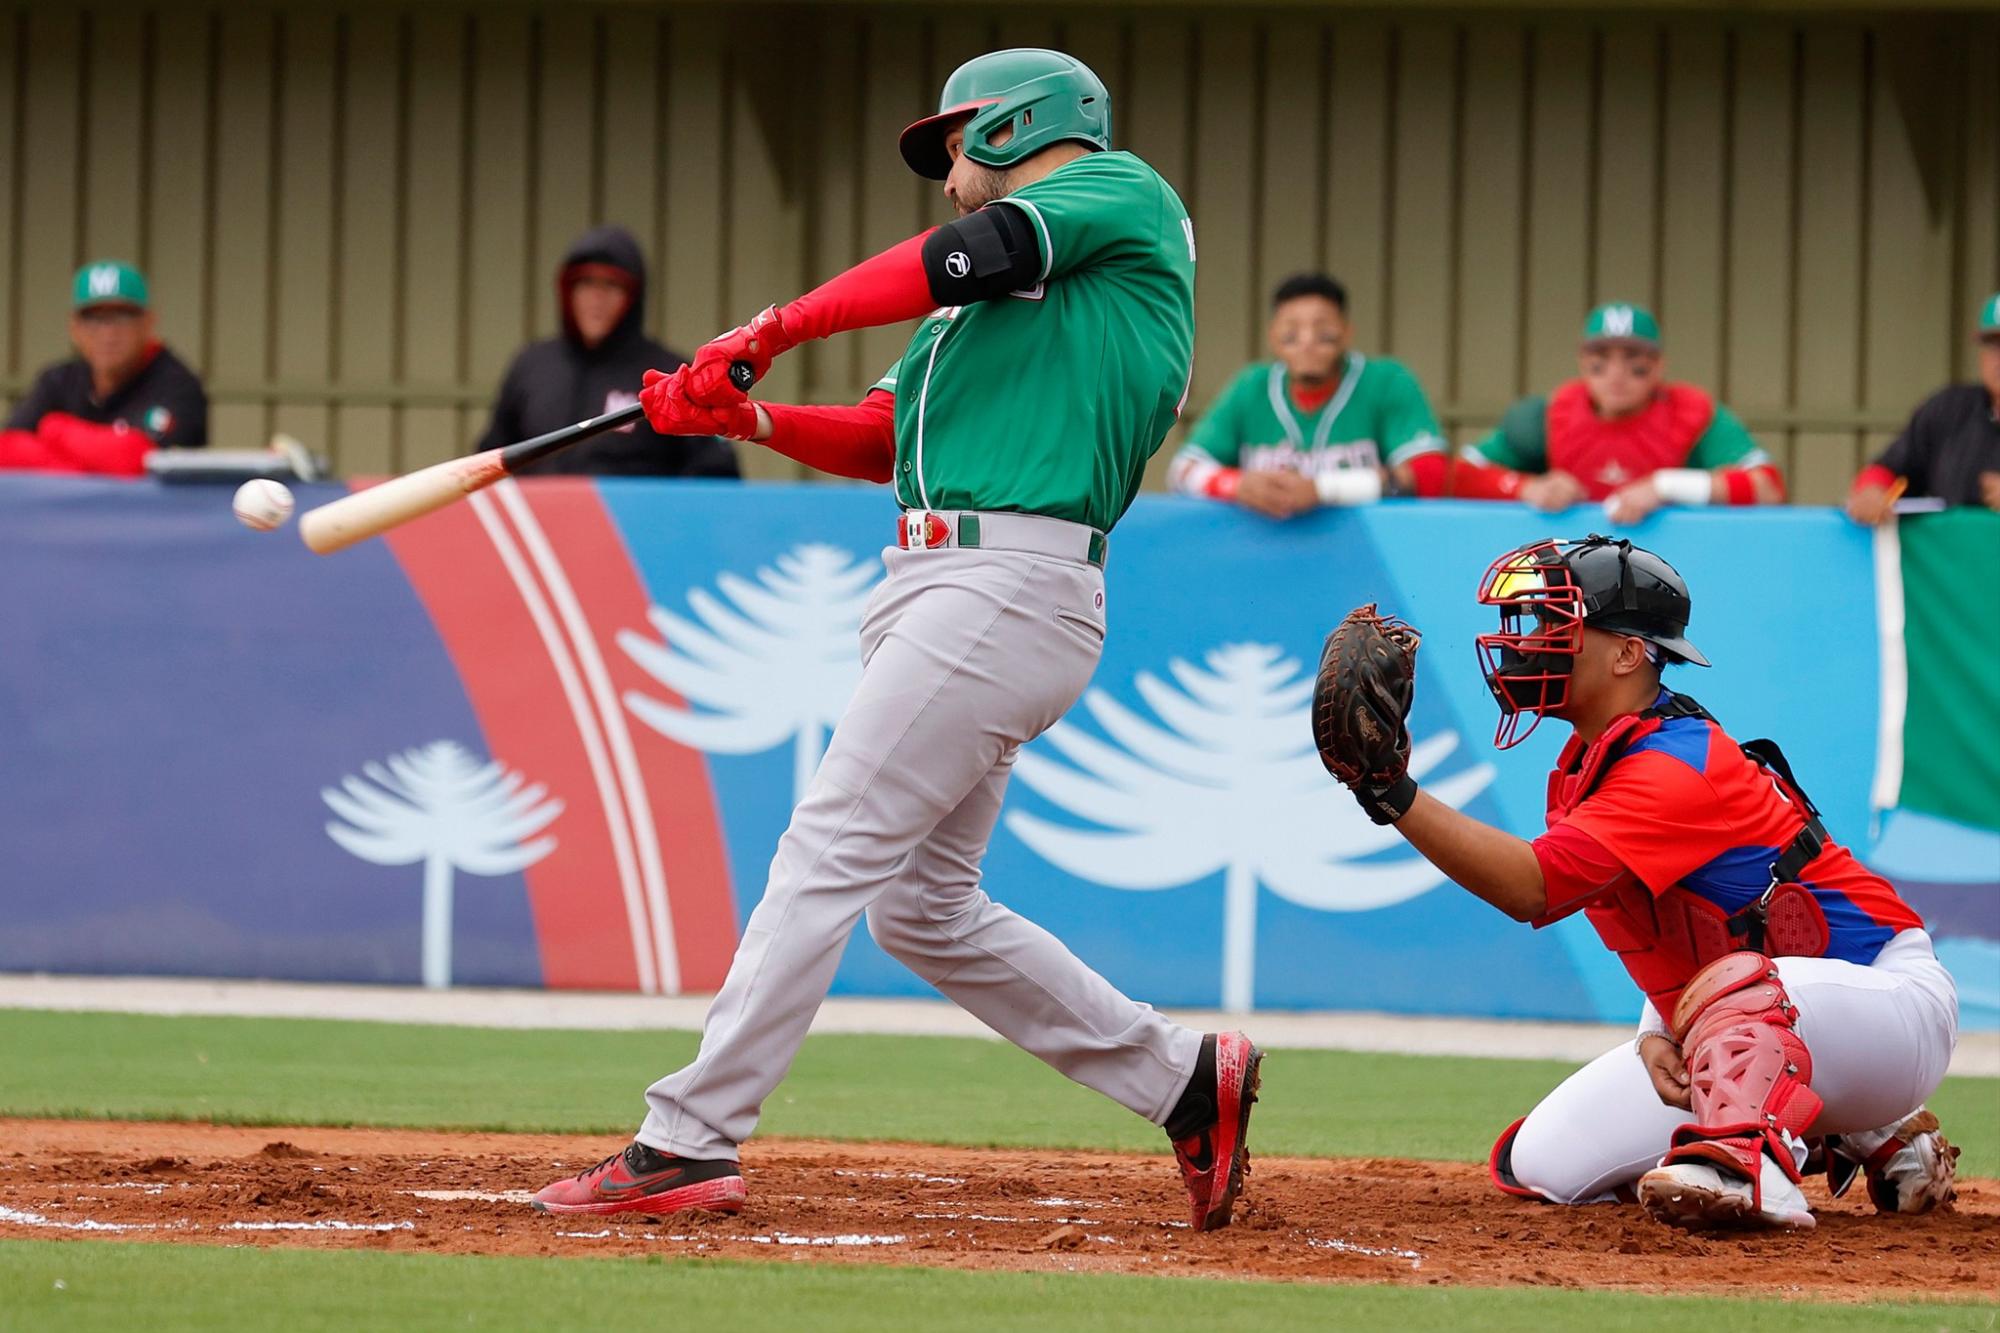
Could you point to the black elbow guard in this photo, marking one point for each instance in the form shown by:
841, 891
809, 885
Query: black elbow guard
982, 255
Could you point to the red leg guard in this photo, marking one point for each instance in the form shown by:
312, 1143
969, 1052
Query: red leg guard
1751, 1074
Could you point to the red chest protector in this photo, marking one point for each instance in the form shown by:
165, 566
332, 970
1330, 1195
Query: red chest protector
1663, 940
1605, 455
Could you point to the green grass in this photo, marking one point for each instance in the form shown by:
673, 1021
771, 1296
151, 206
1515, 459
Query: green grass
200, 1288
923, 1089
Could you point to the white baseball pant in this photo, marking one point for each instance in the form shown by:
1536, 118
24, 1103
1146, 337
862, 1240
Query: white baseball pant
967, 654
1880, 1037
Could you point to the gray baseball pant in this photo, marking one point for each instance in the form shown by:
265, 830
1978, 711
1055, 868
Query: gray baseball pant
967, 655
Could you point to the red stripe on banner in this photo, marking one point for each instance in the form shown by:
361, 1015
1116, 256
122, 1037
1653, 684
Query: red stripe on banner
582, 922
677, 788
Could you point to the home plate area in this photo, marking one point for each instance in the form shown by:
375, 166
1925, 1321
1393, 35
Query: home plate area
1364, 1220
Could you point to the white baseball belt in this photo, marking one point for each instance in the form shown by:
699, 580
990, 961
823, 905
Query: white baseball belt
992, 530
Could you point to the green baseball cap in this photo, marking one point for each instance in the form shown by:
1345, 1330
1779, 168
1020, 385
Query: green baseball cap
1621, 322
108, 282
1989, 315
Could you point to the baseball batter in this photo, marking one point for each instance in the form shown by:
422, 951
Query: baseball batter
1796, 1016
1053, 355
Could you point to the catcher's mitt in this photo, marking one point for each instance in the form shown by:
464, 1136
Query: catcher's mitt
1367, 678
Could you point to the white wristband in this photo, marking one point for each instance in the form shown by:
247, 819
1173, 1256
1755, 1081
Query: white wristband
1650, 1025
1684, 485
1349, 486
1650, 1022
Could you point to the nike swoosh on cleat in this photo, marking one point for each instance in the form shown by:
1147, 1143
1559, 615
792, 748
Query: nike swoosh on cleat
651, 1184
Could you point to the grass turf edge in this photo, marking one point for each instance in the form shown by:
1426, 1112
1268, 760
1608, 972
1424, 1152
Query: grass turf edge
85, 1285
857, 1088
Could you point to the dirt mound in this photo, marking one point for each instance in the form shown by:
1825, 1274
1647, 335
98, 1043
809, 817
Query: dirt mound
1300, 1219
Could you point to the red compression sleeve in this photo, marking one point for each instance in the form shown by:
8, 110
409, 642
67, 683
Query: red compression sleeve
1575, 869
1483, 481
1427, 470
1223, 483
25, 451
1739, 483
86, 446
858, 441
887, 289
1873, 475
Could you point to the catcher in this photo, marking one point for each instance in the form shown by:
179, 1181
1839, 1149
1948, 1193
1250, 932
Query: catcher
1796, 1016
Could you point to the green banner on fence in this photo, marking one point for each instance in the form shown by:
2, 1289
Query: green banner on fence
1951, 600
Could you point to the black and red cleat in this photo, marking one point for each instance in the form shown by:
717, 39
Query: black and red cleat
640, 1180
1210, 1127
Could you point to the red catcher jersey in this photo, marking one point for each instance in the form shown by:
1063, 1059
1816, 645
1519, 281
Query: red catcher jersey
1683, 805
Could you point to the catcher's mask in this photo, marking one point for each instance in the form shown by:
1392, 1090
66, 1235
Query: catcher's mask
1547, 592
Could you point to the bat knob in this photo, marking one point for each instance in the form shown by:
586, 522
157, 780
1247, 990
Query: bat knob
742, 375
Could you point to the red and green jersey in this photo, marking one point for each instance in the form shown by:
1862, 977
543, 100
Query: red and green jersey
1051, 400
1681, 427
1377, 417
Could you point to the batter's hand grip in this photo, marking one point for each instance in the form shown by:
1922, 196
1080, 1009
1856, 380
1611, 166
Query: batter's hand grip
742, 375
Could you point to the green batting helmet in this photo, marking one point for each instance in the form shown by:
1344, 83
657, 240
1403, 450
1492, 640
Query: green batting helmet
1046, 96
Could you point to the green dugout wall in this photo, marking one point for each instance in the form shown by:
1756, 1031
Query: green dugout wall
351, 212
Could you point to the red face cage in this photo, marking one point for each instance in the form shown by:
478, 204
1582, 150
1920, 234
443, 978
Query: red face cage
1527, 664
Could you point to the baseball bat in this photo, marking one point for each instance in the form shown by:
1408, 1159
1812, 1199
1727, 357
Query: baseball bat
341, 523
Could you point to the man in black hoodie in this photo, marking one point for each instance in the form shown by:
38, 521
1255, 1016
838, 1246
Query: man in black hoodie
594, 367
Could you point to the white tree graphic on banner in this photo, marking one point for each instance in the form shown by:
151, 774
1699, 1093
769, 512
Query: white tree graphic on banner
777, 663
1230, 782
439, 805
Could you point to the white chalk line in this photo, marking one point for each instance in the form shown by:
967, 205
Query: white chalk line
331, 1224
1372, 1251
845, 1239
21, 1218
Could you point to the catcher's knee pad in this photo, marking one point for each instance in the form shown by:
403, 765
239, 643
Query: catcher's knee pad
1749, 1071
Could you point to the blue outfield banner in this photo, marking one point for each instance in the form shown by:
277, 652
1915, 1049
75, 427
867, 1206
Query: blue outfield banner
183, 697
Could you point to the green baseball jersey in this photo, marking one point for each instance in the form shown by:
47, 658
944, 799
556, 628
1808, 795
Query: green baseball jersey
1051, 400
1376, 417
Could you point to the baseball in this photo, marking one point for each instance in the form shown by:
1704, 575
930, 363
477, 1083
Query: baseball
262, 504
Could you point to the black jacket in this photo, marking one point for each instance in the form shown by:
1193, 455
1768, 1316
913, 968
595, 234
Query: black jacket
164, 400
1952, 438
558, 381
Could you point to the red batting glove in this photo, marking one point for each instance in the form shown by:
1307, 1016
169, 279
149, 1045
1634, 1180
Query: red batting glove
756, 342
670, 411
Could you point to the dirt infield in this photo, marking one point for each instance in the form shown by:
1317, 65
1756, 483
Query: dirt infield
1339, 1220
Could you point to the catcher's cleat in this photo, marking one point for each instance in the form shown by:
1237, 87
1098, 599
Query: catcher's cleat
1210, 1127
1701, 1197
1911, 1166
640, 1180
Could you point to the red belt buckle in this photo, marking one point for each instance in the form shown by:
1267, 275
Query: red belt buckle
935, 532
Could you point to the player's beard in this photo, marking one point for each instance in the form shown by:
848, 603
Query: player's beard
979, 187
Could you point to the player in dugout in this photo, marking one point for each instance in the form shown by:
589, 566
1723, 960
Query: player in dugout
1320, 424
121, 396
1796, 1016
1950, 451
594, 366
1621, 433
